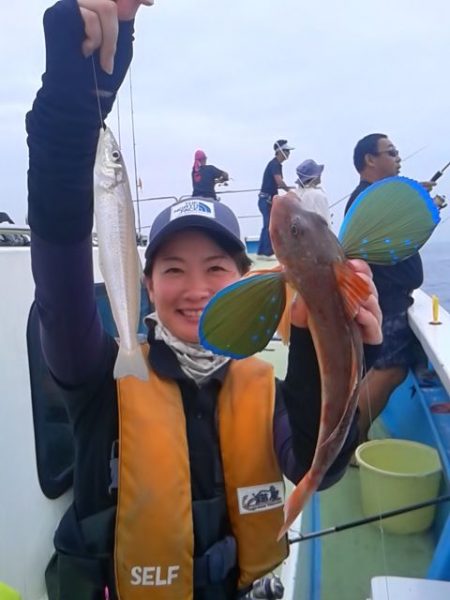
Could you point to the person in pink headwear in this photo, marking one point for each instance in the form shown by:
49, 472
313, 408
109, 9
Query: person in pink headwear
205, 177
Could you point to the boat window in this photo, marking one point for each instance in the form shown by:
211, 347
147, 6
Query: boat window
52, 430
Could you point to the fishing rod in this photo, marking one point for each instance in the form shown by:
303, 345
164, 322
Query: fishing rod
358, 522
439, 173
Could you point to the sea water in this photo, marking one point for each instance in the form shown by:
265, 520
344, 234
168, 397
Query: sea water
436, 266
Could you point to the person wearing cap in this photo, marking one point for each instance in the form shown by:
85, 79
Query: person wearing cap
272, 182
309, 190
205, 177
166, 471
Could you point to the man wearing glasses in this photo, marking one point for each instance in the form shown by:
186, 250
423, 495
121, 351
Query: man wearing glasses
375, 157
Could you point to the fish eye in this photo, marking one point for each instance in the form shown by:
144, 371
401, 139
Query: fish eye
115, 155
294, 230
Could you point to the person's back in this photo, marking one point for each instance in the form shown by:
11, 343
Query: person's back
205, 177
309, 190
269, 184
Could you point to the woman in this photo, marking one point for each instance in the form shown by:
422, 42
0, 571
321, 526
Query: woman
205, 177
204, 434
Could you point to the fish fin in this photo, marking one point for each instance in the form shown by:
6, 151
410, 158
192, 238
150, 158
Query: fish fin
284, 326
389, 221
130, 363
353, 288
241, 319
297, 501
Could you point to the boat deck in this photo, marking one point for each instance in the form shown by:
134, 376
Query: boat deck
349, 559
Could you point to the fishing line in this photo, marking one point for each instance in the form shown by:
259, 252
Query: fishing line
414, 153
136, 186
377, 490
97, 92
118, 121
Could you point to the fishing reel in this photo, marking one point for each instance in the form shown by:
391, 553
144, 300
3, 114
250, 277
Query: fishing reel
440, 201
266, 588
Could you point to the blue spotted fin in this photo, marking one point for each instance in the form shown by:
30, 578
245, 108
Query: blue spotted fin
284, 326
389, 221
241, 319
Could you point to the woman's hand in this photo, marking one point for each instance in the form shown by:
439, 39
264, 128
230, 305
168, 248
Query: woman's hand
369, 317
101, 24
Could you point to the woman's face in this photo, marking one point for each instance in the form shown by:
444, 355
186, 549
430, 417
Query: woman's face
187, 271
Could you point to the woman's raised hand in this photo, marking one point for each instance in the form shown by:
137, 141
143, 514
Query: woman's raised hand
101, 24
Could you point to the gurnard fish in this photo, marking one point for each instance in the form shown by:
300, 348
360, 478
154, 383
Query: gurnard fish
387, 223
119, 260
313, 263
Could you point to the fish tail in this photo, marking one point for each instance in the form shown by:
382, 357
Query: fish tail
296, 502
130, 363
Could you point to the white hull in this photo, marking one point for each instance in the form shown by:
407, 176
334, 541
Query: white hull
27, 518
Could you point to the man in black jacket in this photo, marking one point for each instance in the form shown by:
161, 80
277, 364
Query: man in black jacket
375, 157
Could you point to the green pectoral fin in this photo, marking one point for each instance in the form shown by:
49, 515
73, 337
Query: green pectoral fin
241, 319
389, 221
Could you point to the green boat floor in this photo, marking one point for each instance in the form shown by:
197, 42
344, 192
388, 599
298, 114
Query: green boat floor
351, 558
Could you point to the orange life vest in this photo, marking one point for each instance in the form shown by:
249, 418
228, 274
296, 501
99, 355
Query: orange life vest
154, 543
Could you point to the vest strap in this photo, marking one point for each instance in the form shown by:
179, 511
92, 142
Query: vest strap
216, 563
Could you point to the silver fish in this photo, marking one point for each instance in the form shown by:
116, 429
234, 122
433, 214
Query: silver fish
119, 260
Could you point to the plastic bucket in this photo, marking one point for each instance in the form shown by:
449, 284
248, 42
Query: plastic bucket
395, 473
7, 593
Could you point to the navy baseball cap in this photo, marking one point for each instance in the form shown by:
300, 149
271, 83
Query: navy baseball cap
203, 213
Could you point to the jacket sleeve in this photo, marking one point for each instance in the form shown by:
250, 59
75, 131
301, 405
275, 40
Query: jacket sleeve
297, 414
62, 130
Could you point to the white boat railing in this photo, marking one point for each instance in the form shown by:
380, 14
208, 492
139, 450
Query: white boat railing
433, 336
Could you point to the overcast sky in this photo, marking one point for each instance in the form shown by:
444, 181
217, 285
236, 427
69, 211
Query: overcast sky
232, 77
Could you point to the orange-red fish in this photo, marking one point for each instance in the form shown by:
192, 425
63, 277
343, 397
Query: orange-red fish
314, 265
